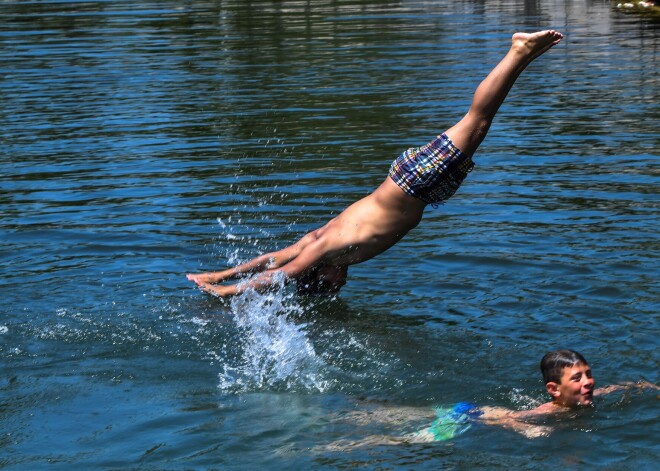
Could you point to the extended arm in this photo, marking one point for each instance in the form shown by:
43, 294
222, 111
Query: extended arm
269, 261
514, 420
306, 258
643, 384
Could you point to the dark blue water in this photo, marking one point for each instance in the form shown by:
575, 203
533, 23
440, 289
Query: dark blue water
141, 141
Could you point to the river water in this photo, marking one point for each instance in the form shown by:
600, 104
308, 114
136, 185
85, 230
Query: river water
140, 141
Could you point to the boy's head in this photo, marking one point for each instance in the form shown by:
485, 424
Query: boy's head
567, 378
322, 279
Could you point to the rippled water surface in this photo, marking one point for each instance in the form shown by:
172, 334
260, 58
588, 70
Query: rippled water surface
140, 141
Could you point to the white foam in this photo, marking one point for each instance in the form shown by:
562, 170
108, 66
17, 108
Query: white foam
523, 400
276, 351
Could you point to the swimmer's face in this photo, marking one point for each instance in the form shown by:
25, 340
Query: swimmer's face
576, 387
326, 279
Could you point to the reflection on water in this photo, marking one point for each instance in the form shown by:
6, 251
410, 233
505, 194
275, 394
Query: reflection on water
140, 141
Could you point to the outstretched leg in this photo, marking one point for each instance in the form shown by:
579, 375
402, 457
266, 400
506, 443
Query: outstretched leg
470, 131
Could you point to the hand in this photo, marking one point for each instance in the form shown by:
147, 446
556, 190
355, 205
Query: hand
643, 384
205, 277
219, 291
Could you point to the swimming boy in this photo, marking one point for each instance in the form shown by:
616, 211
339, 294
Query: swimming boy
568, 380
418, 177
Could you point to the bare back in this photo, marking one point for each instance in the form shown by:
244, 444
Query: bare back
369, 226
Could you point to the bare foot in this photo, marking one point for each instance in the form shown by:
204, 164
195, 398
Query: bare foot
535, 44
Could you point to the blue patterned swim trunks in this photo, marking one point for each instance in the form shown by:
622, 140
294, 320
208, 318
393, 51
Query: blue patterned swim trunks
431, 173
451, 422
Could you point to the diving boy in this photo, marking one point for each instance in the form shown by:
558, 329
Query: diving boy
426, 175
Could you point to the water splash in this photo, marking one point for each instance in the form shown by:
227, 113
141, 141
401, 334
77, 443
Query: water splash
523, 400
277, 355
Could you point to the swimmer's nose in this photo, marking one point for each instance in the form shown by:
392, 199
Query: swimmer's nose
589, 383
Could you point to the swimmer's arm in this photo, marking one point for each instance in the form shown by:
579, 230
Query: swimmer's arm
254, 265
268, 261
259, 283
513, 420
257, 264
643, 384
308, 258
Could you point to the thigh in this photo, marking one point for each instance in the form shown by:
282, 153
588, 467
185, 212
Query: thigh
468, 133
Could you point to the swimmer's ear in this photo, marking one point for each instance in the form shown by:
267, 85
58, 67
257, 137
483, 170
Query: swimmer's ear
553, 389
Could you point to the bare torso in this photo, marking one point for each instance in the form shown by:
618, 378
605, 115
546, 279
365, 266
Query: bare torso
370, 226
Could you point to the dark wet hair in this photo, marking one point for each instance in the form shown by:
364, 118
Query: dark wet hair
553, 363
